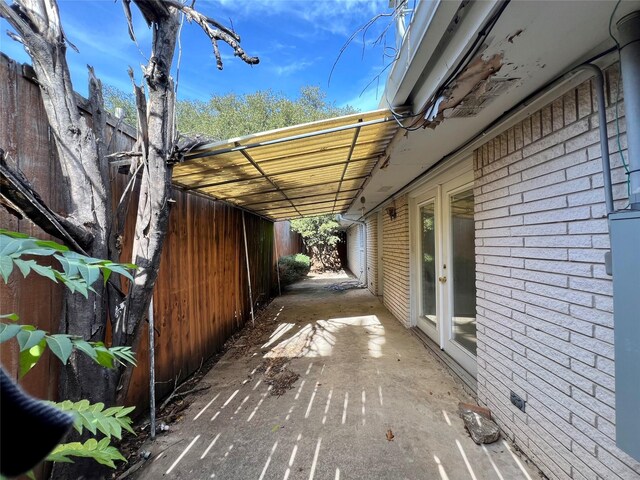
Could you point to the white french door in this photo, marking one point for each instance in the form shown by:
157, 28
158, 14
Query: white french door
443, 266
427, 264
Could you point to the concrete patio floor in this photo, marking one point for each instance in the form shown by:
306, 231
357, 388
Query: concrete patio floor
361, 374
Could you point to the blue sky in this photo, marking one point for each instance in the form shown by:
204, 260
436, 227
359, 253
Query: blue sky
297, 42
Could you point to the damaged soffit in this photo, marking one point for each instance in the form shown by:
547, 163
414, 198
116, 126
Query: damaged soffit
472, 90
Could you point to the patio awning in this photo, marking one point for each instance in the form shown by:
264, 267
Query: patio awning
310, 169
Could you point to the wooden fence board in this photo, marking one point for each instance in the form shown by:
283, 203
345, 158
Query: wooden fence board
289, 242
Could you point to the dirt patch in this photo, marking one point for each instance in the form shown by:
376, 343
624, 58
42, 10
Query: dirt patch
282, 381
278, 375
251, 337
270, 365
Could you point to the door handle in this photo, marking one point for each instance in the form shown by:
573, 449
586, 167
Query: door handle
442, 279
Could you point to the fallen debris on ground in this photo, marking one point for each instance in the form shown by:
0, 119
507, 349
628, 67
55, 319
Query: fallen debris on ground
477, 420
348, 285
278, 375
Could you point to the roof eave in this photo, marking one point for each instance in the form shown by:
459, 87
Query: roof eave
439, 33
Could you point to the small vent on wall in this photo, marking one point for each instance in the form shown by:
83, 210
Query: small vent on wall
518, 401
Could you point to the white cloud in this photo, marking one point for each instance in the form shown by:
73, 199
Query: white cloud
291, 68
334, 16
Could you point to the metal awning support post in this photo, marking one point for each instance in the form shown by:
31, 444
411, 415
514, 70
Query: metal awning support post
152, 372
246, 256
275, 242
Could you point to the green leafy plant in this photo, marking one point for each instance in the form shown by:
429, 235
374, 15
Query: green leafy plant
231, 115
32, 344
293, 268
94, 418
77, 272
320, 236
100, 451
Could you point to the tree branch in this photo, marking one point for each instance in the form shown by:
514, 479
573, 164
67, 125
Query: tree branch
216, 32
20, 194
142, 142
126, 5
153, 11
364, 29
17, 18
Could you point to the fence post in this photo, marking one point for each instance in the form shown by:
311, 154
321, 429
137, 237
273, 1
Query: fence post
152, 372
275, 241
246, 255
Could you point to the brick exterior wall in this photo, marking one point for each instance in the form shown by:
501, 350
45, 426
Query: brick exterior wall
395, 240
354, 257
544, 302
372, 254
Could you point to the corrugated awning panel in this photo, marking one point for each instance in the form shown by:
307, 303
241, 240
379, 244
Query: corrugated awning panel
310, 169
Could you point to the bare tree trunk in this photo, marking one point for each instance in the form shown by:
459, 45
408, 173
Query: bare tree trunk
90, 221
155, 187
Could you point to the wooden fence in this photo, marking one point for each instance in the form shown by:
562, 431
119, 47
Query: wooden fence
288, 241
201, 296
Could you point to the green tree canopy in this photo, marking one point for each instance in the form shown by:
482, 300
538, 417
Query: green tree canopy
115, 98
320, 236
319, 231
231, 115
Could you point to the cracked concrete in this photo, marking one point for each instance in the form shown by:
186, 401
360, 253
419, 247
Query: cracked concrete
362, 374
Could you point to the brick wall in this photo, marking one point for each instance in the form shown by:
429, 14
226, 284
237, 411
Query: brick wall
545, 322
395, 240
354, 256
372, 254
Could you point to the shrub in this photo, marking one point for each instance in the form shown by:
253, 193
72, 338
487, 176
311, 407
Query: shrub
320, 236
293, 267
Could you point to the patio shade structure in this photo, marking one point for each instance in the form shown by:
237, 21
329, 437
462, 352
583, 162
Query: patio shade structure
310, 169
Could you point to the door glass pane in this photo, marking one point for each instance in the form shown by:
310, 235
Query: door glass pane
428, 249
463, 271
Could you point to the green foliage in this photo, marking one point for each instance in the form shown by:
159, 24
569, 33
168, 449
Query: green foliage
94, 417
320, 236
231, 115
115, 98
293, 267
78, 272
318, 231
101, 451
32, 344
